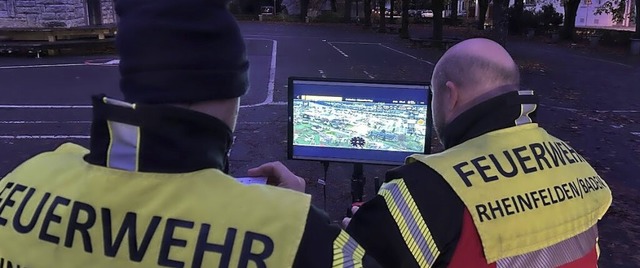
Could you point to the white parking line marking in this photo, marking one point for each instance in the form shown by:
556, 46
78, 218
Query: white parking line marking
406, 54
62, 137
29, 106
268, 101
272, 77
339, 51
370, 75
43, 137
27, 122
597, 111
41, 66
9, 122
113, 62
261, 123
618, 111
103, 62
585, 57
355, 43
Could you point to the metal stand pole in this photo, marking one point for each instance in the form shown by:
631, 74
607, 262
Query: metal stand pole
357, 183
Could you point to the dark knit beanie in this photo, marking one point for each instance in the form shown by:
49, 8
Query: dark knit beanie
180, 51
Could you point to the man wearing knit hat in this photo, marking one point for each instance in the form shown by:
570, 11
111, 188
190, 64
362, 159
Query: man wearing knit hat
152, 190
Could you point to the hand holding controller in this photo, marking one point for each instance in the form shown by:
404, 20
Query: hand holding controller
279, 175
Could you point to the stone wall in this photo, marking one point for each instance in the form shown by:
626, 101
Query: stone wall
4, 11
108, 12
50, 13
42, 13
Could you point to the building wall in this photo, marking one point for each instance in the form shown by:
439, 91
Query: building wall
585, 16
48, 13
4, 11
39, 13
108, 12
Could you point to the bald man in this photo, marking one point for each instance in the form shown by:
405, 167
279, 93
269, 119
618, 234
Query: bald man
504, 193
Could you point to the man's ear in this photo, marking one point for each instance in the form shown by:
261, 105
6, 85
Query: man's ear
453, 95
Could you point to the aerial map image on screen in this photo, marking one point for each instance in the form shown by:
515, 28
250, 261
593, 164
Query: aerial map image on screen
360, 125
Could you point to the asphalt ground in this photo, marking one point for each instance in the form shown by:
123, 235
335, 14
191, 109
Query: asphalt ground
589, 100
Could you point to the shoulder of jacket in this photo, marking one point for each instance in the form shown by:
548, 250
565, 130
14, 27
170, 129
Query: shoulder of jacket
412, 171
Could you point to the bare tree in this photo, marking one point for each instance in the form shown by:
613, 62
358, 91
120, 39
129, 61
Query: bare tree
367, 13
383, 16
570, 13
501, 21
404, 30
454, 11
637, 20
347, 10
304, 8
518, 10
482, 18
391, 9
438, 6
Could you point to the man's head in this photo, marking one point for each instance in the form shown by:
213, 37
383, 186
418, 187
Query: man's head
468, 73
188, 53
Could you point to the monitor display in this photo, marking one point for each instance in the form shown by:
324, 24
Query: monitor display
358, 121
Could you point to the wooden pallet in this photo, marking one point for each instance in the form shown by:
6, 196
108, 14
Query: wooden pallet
52, 48
53, 39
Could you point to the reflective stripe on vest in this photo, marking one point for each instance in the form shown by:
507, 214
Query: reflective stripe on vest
124, 141
124, 146
556, 255
58, 211
414, 230
526, 190
347, 252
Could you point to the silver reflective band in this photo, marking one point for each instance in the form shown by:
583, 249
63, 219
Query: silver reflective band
123, 146
556, 255
525, 92
412, 222
347, 253
118, 103
525, 110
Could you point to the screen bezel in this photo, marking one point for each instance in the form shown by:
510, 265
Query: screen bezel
290, 99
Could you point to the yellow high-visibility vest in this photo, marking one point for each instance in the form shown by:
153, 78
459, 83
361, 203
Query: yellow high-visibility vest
56, 210
524, 188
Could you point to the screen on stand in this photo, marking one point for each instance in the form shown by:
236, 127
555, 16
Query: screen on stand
359, 121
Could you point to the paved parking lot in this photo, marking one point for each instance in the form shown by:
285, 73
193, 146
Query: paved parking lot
586, 100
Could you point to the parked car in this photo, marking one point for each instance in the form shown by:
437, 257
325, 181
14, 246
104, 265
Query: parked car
427, 14
266, 10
